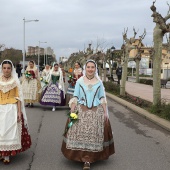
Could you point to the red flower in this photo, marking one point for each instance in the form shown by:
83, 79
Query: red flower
32, 74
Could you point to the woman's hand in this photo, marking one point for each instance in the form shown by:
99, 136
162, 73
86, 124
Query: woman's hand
19, 116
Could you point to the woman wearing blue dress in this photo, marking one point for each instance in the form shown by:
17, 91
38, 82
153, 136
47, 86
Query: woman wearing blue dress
90, 138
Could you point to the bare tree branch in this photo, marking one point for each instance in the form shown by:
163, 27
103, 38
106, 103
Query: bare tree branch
142, 36
168, 13
167, 38
169, 8
134, 32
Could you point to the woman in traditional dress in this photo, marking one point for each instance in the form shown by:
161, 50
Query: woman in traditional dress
31, 84
44, 74
14, 136
63, 71
54, 93
90, 138
77, 73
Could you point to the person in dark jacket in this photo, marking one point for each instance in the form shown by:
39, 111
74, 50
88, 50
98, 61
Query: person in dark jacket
18, 69
119, 73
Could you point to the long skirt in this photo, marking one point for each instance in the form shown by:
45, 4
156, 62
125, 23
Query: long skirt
30, 90
69, 93
14, 137
90, 138
53, 96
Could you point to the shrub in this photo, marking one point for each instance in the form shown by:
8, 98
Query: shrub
146, 81
112, 87
137, 101
162, 110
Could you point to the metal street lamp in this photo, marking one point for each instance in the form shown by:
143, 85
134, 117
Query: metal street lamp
112, 49
39, 54
167, 71
24, 40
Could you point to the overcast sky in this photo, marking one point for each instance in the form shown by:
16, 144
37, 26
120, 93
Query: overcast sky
69, 25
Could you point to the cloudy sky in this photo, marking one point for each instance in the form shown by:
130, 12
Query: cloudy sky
70, 25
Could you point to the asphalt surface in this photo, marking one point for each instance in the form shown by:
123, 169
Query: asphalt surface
139, 143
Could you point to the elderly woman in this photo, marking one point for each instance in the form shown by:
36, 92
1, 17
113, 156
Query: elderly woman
88, 136
14, 136
31, 84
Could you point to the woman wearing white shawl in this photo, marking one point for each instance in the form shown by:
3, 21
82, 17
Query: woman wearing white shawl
90, 138
31, 84
14, 135
77, 73
44, 74
54, 93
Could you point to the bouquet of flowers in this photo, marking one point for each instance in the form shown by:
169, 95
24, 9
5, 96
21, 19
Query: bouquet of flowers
73, 117
43, 80
30, 75
71, 80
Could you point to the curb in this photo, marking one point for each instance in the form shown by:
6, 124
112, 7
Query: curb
147, 115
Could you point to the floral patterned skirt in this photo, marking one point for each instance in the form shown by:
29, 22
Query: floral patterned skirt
30, 90
25, 143
69, 93
53, 96
90, 138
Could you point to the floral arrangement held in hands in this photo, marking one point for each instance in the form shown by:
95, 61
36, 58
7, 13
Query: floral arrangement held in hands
73, 117
45, 81
71, 80
30, 75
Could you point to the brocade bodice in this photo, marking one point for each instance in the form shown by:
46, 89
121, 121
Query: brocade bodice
55, 78
89, 95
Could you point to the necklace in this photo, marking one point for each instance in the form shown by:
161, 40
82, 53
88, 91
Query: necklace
6, 78
89, 78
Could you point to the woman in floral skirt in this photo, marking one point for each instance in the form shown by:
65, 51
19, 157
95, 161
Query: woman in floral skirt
31, 84
88, 137
54, 93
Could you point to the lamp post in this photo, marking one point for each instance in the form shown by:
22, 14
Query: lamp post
167, 71
39, 55
112, 55
24, 40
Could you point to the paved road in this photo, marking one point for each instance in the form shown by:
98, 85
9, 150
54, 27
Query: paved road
139, 144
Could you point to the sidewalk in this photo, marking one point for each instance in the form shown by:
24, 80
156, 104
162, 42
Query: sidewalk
145, 92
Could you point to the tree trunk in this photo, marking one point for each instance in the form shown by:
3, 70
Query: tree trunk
110, 68
100, 71
158, 39
124, 74
137, 70
104, 70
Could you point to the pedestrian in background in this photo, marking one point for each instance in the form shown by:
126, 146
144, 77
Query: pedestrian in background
18, 70
119, 73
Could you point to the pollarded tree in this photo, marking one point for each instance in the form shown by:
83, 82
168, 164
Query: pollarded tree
138, 56
160, 29
127, 47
